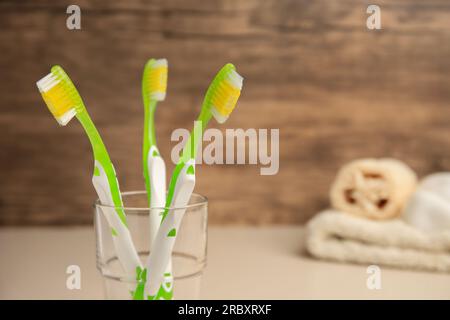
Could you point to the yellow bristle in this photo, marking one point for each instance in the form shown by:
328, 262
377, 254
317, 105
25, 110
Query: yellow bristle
225, 98
157, 82
58, 101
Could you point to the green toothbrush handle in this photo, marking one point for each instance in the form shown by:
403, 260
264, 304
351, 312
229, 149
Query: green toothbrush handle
123, 243
107, 188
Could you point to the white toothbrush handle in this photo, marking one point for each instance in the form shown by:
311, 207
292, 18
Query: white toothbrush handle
157, 174
123, 243
165, 239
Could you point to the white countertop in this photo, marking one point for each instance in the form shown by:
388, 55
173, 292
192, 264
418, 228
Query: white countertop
243, 263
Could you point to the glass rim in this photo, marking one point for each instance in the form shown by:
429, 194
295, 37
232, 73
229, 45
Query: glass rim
203, 201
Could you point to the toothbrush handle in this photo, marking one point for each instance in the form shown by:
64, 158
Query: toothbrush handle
161, 254
123, 243
157, 177
157, 184
165, 239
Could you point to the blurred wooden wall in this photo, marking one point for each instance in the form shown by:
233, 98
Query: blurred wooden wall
336, 90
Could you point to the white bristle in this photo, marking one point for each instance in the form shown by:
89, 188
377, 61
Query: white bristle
66, 117
47, 82
158, 96
236, 79
219, 117
160, 63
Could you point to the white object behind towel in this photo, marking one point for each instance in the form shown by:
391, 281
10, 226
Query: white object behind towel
429, 207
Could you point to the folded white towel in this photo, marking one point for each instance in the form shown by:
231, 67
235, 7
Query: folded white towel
342, 237
429, 207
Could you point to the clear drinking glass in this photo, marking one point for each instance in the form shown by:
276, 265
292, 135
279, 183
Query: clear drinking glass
188, 257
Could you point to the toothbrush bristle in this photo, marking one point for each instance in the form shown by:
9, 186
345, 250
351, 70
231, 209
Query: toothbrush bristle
225, 93
156, 77
60, 95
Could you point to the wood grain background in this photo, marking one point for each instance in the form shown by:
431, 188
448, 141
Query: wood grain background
336, 90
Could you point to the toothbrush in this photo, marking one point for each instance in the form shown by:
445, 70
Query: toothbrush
154, 84
219, 102
64, 102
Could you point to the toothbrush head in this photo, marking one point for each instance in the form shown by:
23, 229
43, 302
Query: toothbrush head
224, 92
60, 95
154, 79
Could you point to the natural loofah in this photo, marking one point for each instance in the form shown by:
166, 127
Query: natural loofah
373, 188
